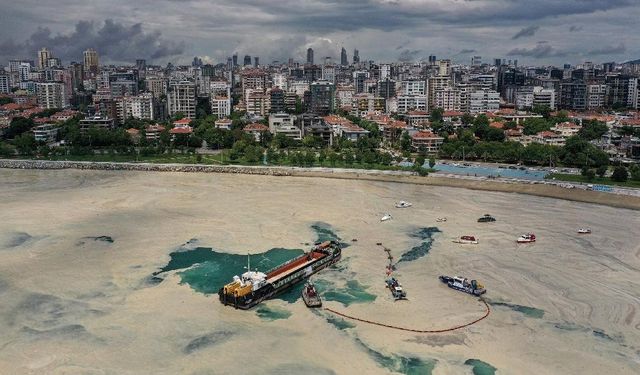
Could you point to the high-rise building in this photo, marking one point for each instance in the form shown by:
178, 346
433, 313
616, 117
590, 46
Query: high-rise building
139, 106
247, 60
356, 56
359, 78
476, 60
156, 86
432, 60
343, 57
91, 61
181, 98
256, 61
235, 60
5, 86
623, 91
322, 97
310, 56
51, 95
43, 57
141, 64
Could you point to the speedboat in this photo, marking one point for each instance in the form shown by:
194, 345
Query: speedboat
386, 217
441, 220
584, 231
396, 289
464, 285
486, 219
527, 238
467, 240
403, 204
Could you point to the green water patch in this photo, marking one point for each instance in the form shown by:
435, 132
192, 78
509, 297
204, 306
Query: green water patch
207, 270
325, 232
271, 313
352, 292
531, 312
400, 364
416, 252
340, 323
480, 368
601, 334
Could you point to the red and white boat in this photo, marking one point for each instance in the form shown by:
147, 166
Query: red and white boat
527, 238
467, 240
584, 231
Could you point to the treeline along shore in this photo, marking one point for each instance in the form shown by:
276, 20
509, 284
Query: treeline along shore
548, 189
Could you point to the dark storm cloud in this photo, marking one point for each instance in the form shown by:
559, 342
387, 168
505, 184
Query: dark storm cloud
467, 51
608, 50
116, 42
575, 28
527, 31
540, 51
409, 55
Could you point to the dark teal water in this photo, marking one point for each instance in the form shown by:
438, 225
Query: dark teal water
417, 252
480, 368
352, 292
339, 323
272, 313
531, 312
400, 364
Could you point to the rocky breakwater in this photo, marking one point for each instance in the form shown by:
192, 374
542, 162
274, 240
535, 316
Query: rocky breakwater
149, 167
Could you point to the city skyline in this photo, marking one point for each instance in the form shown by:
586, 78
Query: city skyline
536, 34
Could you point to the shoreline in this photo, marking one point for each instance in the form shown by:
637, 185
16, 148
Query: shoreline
547, 189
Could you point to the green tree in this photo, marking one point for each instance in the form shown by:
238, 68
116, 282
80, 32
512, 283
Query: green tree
588, 173
535, 125
543, 110
436, 115
432, 163
333, 158
25, 144
420, 161
593, 129
467, 119
634, 172
405, 142
601, 170
18, 126
620, 174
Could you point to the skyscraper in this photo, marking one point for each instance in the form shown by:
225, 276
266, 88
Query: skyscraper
43, 56
256, 61
235, 60
356, 56
432, 60
247, 60
91, 61
343, 57
310, 56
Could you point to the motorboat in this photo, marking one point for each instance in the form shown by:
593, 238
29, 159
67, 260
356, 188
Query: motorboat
386, 217
403, 204
527, 238
441, 220
584, 231
464, 285
467, 240
486, 219
396, 289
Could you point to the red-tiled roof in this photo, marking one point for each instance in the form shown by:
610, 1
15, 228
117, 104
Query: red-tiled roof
184, 121
256, 127
181, 130
425, 135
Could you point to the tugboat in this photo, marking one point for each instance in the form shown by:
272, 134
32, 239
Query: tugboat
386, 217
467, 240
464, 285
310, 296
403, 204
527, 238
396, 289
584, 231
486, 219
253, 287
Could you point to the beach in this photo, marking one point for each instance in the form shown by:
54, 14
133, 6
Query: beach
81, 254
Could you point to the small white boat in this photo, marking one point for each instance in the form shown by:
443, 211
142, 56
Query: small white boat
441, 220
584, 231
527, 238
403, 204
467, 240
386, 217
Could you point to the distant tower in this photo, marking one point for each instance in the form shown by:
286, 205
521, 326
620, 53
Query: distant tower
91, 61
247, 60
356, 56
343, 57
229, 63
432, 60
235, 60
43, 56
256, 61
310, 56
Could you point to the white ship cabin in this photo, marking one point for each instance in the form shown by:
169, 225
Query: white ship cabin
255, 278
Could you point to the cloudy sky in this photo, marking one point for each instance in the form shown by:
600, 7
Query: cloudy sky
532, 31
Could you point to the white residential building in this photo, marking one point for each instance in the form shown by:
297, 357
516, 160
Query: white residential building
45, 133
139, 106
448, 99
182, 99
596, 96
484, 101
220, 106
413, 87
408, 103
51, 95
284, 123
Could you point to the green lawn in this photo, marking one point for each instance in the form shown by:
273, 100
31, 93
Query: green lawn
595, 181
